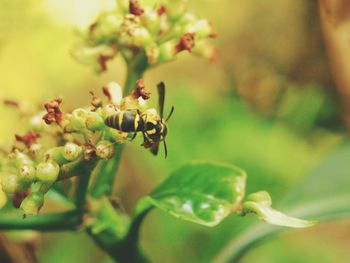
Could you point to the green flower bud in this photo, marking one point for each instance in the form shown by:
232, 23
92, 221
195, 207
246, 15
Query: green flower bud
141, 37
72, 151
3, 198
47, 172
32, 203
36, 150
167, 51
186, 19
202, 28
153, 22
37, 123
176, 8
27, 173
105, 149
107, 26
20, 158
78, 119
94, 121
92, 55
123, 5
10, 183
56, 154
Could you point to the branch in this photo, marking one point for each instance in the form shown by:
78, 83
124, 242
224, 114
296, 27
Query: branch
85, 172
119, 240
45, 222
107, 172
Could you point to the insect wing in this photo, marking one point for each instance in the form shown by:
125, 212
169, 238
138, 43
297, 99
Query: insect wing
161, 97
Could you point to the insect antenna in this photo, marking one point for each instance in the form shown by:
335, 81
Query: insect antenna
165, 149
170, 113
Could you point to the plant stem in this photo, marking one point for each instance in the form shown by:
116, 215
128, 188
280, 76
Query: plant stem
45, 222
136, 69
104, 182
122, 248
83, 183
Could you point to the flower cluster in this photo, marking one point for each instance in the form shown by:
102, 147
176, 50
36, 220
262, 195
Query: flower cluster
156, 30
81, 137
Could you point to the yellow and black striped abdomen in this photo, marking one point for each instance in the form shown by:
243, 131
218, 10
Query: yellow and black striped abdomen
125, 121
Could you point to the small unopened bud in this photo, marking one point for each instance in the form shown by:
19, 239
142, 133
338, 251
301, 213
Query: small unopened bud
152, 21
10, 183
72, 151
20, 158
94, 121
96, 56
105, 149
107, 25
122, 6
202, 28
32, 203
176, 8
27, 173
35, 150
141, 37
78, 119
47, 172
56, 154
166, 51
37, 123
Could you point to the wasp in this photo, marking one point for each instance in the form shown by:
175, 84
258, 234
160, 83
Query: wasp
151, 124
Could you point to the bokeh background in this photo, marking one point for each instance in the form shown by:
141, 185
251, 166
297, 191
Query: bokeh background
268, 105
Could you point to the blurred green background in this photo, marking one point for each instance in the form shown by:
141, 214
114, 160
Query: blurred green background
268, 105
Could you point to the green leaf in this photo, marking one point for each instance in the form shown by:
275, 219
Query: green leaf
201, 192
260, 204
324, 194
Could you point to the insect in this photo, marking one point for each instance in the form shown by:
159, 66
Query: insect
151, 124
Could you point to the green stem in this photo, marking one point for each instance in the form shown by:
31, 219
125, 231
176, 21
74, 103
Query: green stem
45, 222
83, 183
136, 69
130, 241
106, 174
123, 248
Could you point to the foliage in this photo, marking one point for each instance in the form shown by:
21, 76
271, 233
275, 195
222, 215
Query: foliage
87, 143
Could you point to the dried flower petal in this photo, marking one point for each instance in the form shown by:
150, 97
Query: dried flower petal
186, 43
140, 91
54, 113
135, 8
28, 139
